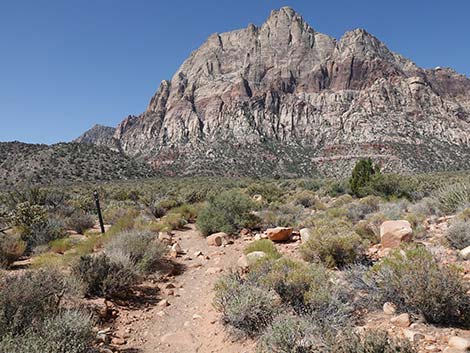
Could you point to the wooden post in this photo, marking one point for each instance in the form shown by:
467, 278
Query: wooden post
98, 209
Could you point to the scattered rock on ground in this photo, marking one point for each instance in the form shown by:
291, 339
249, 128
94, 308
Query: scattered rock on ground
279, 233
216, 239
393, 233
402, 320
305, 234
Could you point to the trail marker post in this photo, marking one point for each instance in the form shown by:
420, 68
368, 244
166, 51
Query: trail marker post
98, 210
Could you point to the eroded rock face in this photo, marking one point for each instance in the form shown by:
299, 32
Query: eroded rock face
283, 98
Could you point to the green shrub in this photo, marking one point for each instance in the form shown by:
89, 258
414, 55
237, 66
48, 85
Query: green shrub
362, 175
367, 231
342, 200
43, 232
416, 283
458, 234
140, 247
297, 283
246, 308
27, 299
281, 215
80, 222
264, 245
227, 212
308, 199
370, 342
290, 334
26, 216
11, 249
333, 244
453, 197
116, 211
69, 331
365, 206
60, 246
102, 276
392, 185
270, 191
187, 212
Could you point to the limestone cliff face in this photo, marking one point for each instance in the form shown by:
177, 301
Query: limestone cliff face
284, 98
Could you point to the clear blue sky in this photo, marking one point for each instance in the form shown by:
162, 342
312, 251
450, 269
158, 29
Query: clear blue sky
66, 65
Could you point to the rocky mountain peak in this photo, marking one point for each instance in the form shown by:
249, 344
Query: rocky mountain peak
282, 98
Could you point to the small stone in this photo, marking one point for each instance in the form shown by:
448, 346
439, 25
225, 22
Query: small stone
459, 343
402, 320
213, 270
465, 253
118, 341
216, 239
163, 303
196, 316
305, 234
279, 233
245, 261
198, 253
389, 308
413, 336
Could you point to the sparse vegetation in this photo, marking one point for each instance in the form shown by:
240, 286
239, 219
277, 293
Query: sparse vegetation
227, 212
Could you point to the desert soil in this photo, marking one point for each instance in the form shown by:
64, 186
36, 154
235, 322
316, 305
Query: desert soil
189, 324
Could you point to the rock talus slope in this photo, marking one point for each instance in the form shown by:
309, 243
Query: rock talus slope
285, 99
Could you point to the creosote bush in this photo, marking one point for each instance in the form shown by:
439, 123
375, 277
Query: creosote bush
33, 317
248, 309
333, 244
227, 212
80, 222
416, 283
370, 342
458, 234
11, 249
144, 252
453, 197
103, 276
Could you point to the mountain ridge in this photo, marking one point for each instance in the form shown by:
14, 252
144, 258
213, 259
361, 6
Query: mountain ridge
286, 99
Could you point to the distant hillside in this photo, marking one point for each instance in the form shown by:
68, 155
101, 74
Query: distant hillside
22, 163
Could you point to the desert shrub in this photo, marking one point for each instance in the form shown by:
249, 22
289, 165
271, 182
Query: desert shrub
140, 247
464, 215
367, 231
187, 212
245, 307
69, 331
359, 210
308, 199
270, 192
41, 233
290, 334
392, 185
26, 216
264, 245
370, 342
336, 188
11, 249
227, 212
60, 246
394, 210
415, 282
453, 197
281, 215
342, 200
362, 175
116, 211
27, 299
333, 244
458, 234
102, 276
417, 223
336, 212
84, 203
297, 283
80, 222
427, 206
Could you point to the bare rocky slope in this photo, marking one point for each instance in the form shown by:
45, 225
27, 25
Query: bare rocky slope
285, 99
